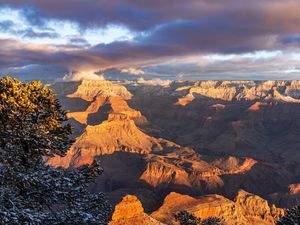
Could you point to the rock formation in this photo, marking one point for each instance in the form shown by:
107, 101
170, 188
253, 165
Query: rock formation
118, 133
286, 91
294, 189
288, 198
256, 210
246, 209
258, 123
100, 94
191, 137
88, 90
130, 212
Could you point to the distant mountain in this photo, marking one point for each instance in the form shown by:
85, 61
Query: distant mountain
286, 91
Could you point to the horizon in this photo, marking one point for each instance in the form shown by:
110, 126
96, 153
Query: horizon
148, 81
199, 40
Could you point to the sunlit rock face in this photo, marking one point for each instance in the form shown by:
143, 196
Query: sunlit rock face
245, 209
289, 197
294, 189
203, 207
101, 94
118, 133
189, 137
287, 91
89, 89
256, 209
130, 212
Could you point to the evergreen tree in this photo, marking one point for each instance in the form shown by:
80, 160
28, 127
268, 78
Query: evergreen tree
186, 218
292, 217
33, 128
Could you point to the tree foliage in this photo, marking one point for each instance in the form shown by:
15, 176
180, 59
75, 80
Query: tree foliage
186, 218
32, 128
292, 217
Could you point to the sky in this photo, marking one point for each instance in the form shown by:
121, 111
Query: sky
150, 39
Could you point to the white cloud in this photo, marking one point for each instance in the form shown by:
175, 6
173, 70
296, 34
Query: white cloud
292, 70
154, 82
132, 70
83, 75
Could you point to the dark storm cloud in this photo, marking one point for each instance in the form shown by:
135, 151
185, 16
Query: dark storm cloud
20, 59
140, 15
230, 26
17, 54
144, 15
13, 54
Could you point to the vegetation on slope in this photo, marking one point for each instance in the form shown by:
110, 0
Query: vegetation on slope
32, 129
186, 218
292, 217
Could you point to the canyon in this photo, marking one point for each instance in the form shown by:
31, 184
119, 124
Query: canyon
217, 148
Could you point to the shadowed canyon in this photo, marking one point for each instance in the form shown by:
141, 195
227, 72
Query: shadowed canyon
227, 149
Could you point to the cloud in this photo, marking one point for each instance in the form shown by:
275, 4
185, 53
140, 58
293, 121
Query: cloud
30, 33
78, 40
102, 12
82, 75
261, 65
162, 31
144, 15
6, 25
34, 72
132, 70
291, 39
154, 82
